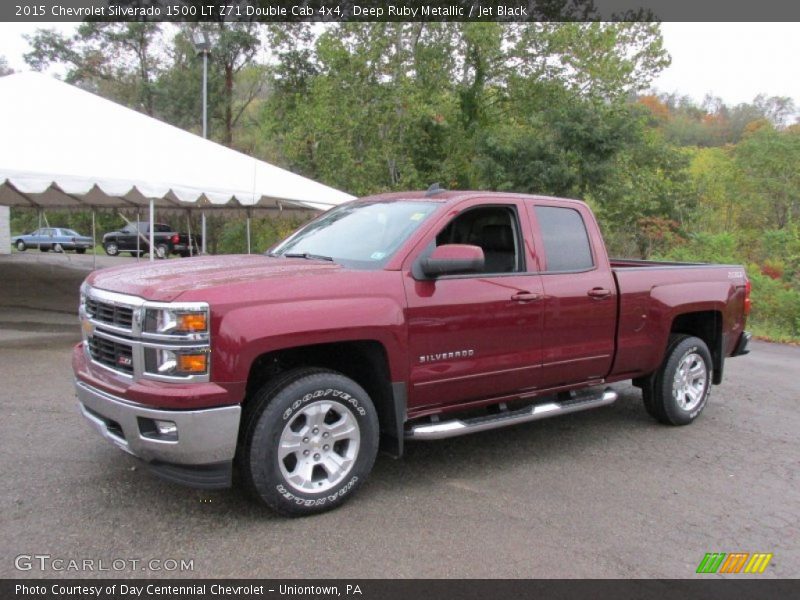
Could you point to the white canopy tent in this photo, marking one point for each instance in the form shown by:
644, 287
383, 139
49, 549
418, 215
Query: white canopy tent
63, 147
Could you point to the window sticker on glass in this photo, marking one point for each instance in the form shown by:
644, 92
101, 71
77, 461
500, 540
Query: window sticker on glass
417, 216
377, 255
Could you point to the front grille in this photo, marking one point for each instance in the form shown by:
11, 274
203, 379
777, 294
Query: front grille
111, 354
121, 316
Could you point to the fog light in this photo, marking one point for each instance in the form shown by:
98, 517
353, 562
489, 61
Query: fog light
154, 429
167, 428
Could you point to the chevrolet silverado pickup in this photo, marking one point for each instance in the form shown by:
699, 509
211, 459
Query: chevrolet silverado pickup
403, 316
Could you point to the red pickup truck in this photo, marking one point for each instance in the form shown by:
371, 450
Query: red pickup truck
404, 316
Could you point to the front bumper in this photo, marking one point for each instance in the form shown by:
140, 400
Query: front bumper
200, 453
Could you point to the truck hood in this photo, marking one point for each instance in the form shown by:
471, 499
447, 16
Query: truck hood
164, 281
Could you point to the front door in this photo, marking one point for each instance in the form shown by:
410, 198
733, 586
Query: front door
476, 336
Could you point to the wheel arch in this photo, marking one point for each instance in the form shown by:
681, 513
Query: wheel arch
706, 325
364, 361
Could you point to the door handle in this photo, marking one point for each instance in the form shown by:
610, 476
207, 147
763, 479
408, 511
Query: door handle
599, 293
526, 297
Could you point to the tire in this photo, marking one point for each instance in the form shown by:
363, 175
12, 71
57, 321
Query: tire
58, 248
162, 251
678, 392
111, 248
315, 477
21, 246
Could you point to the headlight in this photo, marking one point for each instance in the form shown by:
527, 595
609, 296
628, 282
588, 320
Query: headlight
187, 320
177, 362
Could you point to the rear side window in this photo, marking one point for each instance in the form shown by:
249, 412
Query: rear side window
566, 243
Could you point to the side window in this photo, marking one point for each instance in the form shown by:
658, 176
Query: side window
129, 229
495, 230
566, 242
161, 228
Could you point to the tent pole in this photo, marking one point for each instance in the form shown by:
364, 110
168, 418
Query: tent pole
248, 231
189, 229
40, 219
203, 233
94, 243
152, 233
138, 235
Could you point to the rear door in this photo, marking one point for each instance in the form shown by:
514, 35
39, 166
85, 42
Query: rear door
475, 336
580, 296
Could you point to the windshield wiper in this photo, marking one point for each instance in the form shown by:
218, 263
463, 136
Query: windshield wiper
307, 256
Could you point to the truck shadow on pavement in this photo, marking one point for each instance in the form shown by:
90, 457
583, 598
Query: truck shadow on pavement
484, 456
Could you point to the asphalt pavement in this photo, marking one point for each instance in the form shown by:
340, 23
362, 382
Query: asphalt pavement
604, 493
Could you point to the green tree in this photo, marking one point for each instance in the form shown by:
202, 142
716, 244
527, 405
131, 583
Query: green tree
769, 161
119, 60
4, 68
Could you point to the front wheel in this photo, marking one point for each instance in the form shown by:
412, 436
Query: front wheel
111, 248
21, 246
678, 392
309, 441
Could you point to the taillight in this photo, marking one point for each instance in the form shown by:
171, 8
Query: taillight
176, 238
747, 302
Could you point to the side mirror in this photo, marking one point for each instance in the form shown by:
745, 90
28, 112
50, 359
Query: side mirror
453, 259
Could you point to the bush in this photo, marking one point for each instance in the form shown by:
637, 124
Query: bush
776, 306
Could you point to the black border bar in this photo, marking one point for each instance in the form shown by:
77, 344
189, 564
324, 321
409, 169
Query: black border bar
703, 587
43, 11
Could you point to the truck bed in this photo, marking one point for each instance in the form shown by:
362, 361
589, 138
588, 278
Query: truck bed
652, 294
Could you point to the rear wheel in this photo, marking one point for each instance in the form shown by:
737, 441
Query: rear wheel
309, 441
162, 251
21, 246
111, 248
678, 392
58, 248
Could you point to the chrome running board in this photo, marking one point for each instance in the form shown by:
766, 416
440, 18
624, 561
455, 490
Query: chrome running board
445, 429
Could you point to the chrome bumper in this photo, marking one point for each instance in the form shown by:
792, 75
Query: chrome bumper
203, 436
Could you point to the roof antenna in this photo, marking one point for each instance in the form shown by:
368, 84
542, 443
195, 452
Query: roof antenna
435, 189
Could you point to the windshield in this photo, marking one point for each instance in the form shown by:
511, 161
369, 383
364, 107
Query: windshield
360, 235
